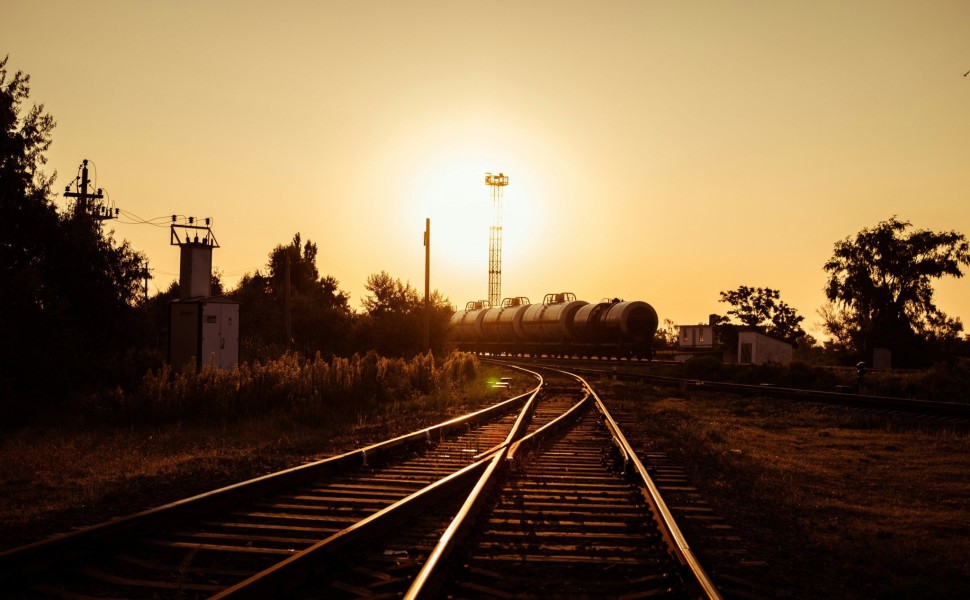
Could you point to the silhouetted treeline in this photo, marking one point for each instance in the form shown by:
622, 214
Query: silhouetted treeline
321, 320
67, 289
320, 317
880, 297
73, 316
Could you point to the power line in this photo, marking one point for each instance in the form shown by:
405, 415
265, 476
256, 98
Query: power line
161, 221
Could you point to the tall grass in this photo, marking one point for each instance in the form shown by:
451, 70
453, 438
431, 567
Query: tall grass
315, 389
945, 382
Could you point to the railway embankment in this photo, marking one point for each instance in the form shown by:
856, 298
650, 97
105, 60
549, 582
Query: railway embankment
834, 502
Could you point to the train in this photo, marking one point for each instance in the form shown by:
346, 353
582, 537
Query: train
559, 327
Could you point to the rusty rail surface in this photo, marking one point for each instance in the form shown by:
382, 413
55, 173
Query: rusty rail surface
27, 562
686, 569
409, 528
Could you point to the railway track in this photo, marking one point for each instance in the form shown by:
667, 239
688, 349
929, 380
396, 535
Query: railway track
623, 370
538, 496
566, 523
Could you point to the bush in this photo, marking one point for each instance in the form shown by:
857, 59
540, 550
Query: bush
944, 382
314, 388
702, 367
804, 376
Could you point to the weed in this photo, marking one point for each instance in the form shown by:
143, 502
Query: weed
316, 390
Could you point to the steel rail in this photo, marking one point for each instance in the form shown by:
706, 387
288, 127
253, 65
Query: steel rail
700, 581
549, 428
24, 561
428, 579
427, 583
913, 405
285, 576
293, 571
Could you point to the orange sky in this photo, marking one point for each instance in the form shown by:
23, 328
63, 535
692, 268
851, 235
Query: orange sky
657, 151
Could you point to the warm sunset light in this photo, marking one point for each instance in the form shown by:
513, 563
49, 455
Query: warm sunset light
663, 152
443, 298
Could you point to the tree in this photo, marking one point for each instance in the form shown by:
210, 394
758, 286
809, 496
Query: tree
68, 293
320, 313
666, 337
880, 283
28, 220
762, 308
389, 296
838, 323
27, 216
393, 321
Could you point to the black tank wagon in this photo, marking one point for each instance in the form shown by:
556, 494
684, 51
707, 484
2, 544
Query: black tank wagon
560, 326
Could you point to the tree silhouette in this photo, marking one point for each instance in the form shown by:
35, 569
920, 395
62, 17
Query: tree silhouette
67, 293
880, 283
321, 318
393, 321
389, 296
762, 308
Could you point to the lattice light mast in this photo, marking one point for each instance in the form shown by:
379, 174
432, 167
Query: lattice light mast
496, 183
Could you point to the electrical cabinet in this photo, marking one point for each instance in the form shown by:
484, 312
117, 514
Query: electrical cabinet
204, 331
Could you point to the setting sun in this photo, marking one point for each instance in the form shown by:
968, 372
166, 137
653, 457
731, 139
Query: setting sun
651, 153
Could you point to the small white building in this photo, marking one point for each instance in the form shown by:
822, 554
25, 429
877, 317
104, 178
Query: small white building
756, 348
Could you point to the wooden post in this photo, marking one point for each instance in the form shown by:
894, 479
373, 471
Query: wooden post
286, 303
427, 284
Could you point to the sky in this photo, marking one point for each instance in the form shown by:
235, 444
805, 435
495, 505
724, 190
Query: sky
656, 151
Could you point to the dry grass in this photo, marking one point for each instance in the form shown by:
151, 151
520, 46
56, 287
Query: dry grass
845, 504
43, 470
86, 467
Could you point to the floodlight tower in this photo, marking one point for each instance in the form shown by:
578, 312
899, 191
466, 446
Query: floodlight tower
496, 183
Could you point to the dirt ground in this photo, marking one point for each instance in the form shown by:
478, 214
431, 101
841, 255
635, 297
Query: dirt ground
837, 503
830, 502
56, 478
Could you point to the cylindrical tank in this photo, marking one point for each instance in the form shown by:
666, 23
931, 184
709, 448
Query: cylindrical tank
630, 321
551, 321
616, 322
504, 324
586, 322
466, 325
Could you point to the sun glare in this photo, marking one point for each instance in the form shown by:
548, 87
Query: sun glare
438, 163
455, 199
453, 194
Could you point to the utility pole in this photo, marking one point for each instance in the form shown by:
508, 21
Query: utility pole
286, 303
427, 284
88, 203
146, 273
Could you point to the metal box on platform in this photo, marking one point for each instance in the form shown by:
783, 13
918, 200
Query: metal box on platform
204, 328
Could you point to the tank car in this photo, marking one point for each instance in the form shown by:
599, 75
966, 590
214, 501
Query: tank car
502, 331
615, 328
560, 326
466, 325
548, 327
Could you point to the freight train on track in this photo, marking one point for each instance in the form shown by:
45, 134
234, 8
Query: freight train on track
560, 326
